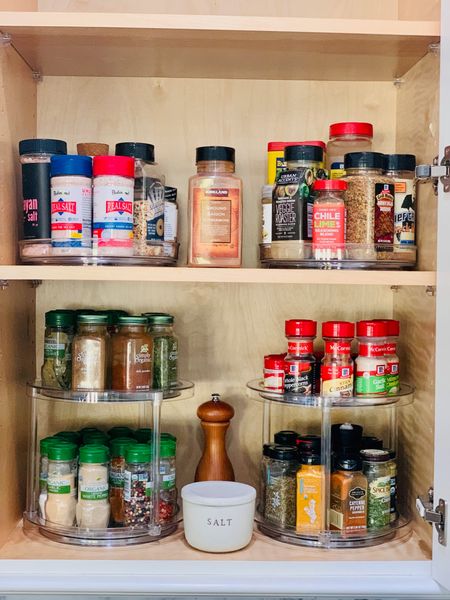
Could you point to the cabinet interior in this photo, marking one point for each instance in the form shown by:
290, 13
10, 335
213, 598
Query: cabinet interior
224, 329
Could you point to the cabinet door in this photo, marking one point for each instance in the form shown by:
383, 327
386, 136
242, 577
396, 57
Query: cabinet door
441, 553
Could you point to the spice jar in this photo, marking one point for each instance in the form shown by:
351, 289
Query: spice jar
377, 470
44, 445
266, 214
371, 363
113, 319
167, 481
90, 353
391, 356
92, 149
113, 194
120, 431
282, 465
345, 138
346, 439
263, 477
165, 350
336, 373
148, 205
118, 448
215, 209
69, 436
348, 496
71, 203
56, 370
370, 205
286, 438
95, 437
402, 168
299, 361
143, 435
61, 488
310, 485
328, 233
274, 372
132, 350
35, 156
93, 505
275, 161
137, 488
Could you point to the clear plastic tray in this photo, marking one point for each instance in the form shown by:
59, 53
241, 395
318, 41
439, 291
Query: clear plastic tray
302, 255
41, 252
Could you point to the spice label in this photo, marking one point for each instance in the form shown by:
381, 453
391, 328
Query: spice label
392, 376
274, 380
170, 221
296, 348
71, 208
371, 350
299, 377
36, 200
379, 503
149, 209
310, 482
215, 222
371, 382
136, 486
117, 479
280, 165
58, 484
53, 349
266, 230
384, 213
328, 225
405, 212
113, 215
336, 380
97, 491
168, 481
393, 505
280, 498
292, 205
337, 348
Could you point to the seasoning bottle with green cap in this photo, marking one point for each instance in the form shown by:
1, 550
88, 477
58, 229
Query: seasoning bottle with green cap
281, 469
167, 481
90, 353
138, 485
93, 494
56, 369
402, 167
61, 487
215, 210
348, 495
143, 435
95, 437
120, 431
376, 467
70, 436
165, 351
132, 353
43, 472
118, 449
148, 204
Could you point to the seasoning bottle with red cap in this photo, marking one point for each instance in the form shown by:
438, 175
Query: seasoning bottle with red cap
336, 373
113, 205
328, 232
371, 363
299, 362
345, 138
274, 372
393, 361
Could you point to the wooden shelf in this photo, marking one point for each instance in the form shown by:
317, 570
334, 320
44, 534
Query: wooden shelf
212, 46
199, 275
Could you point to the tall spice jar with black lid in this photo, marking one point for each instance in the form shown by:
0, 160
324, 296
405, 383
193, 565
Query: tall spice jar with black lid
336, 373
281, 469
300, 361
402, 167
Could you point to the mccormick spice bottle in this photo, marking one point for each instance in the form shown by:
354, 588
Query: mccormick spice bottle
215, 209
132, 353
336, 373
328, 233
274, 372
299, 362
371, 364
392, 359
348, 496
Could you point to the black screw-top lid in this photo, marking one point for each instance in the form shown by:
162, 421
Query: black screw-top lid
348, 463
42, 146
346, 436
266, 449
309, 444
283, 453
224, 153
136, 150
309, 459
400, 162
303, 152
376, 455
286, 438
364, 160
369, 442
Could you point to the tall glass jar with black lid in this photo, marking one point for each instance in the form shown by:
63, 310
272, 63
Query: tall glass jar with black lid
402, 167
56, 370
377, 469
280, 486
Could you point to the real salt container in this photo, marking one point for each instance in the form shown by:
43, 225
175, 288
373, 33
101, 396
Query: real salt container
218, 515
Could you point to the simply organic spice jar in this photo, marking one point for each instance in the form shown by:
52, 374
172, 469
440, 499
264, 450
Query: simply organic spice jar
132, 350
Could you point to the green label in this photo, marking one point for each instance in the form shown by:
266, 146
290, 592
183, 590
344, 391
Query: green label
392, 384
58, 486
379, 503
117, 479
370, 383
94, 492
52, 349
167, 481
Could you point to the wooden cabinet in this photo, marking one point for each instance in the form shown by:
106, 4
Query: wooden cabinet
184, 74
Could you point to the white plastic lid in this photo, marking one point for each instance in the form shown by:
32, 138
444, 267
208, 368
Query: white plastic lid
218, 493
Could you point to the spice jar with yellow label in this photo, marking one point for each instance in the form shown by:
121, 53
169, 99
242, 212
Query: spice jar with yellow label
310, 485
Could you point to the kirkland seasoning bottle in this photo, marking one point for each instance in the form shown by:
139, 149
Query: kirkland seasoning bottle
401, 167
35, 158
345, 138
215, 209
336, 373
371, 363
300, 362
148, 205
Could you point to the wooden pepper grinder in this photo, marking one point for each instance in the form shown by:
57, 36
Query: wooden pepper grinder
214, 464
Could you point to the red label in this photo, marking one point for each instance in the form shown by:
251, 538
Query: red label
393, 367
384, 213
391, 348
372, 349
119, 206
329, 224
67, 227
329, 372
299, 348
377, 372
296, 367
336, 347
64, 207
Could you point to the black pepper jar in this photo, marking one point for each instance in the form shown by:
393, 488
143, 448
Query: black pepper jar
137, 485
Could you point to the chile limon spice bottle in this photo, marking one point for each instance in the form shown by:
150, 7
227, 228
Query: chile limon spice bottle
215, 209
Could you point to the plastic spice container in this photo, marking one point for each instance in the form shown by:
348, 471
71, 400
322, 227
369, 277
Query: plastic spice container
336, 372
90, 351
61, 487
402, 167
71, 203
215, 209
282, 465
120, 431
310, 485
137, 487
170, 214
118, 448
263, 476
35, 156
378, 472
266, 216
44, 445
328, 233
393, 481
371, 363
56, 370
113, 205
132, 350
95, 437
274, 372
370, 205
93, 505
167, 482
148, 205
165, 350
299, 362
348, 496
391, 356
143, 435
345, 138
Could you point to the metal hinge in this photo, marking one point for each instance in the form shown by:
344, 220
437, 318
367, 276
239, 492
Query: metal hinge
438, 171
438, 515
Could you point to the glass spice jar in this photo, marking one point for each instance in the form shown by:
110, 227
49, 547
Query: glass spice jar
345, 138
93, 508
300, 361
90, 352
61, 483
118, 448
274, 372
132, 351
44, 445
371, 364
263, 477
281, 469
120, 431
402, 169
56, 369
336, 373
378, 472
165, 350
143, 435
137, 486
328, 219
167, 483
348, 496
